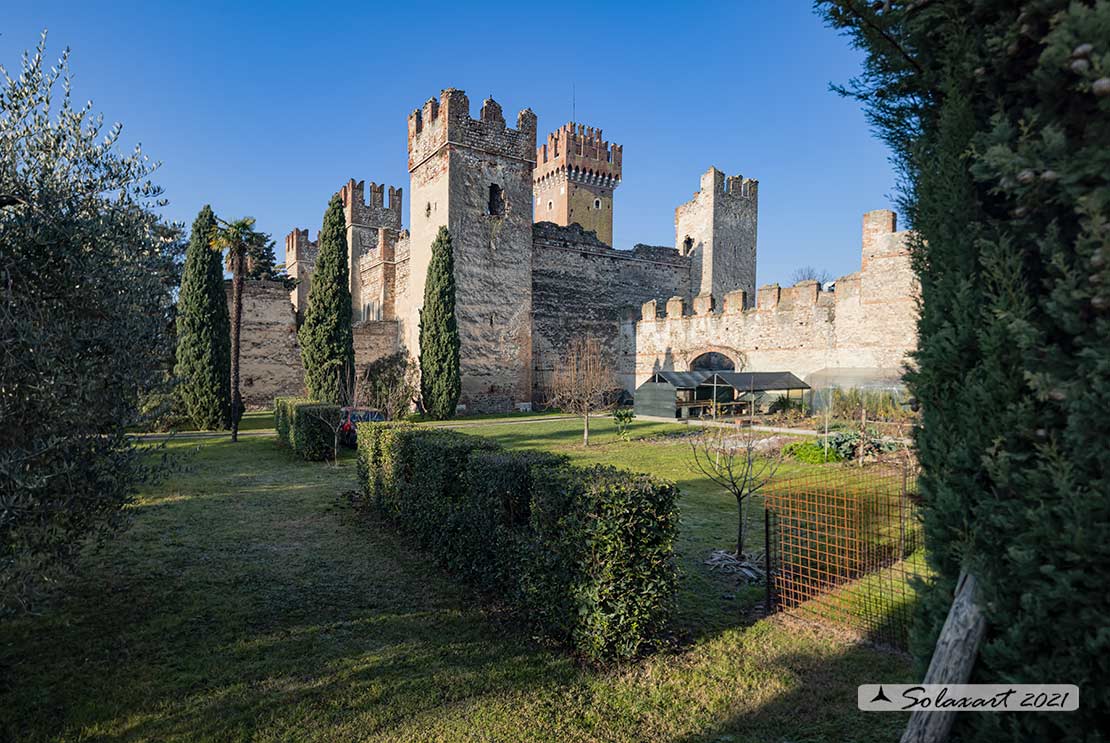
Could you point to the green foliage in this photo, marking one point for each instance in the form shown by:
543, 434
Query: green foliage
879, 405
812, 452
86, 316
623, 418
327, 346
204, 331
388, 386
440, 383
999, 115
307, 427
585, 554
264, 265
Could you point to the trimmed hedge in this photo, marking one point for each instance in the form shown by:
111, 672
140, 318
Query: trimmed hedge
302, 425
587, 555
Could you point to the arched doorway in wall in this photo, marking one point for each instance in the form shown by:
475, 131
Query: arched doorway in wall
712, 361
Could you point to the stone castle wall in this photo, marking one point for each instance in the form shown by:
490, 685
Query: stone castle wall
868, 322
269, 354
581, 286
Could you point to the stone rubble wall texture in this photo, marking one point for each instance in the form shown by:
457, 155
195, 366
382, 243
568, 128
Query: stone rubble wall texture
868, 322
525, 290
581, 286
269, 354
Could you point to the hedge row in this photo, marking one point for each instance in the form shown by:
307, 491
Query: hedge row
303, 426
587, 555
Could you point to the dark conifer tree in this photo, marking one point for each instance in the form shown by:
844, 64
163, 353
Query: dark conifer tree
440, 384
327, 345
997, 115
203, 365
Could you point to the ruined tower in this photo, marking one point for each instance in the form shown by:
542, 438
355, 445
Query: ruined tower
474, 176
717, 229
576, 174
300, 262
365, 223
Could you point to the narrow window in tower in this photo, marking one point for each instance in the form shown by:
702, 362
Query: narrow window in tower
496, 200
597, 203
687, 245
550, 205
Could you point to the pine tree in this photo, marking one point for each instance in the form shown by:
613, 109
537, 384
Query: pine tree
327, 346
996, 112
440, 384
203, 331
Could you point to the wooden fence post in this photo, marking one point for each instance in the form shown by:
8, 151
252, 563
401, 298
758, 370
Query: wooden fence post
952, 661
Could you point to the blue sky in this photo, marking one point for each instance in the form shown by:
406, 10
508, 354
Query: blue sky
266, 109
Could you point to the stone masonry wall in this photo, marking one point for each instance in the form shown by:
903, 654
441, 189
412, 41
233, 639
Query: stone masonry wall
581, 286
868, 322
269, 354
455, 163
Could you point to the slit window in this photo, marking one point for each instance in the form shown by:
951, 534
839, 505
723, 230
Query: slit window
496, 200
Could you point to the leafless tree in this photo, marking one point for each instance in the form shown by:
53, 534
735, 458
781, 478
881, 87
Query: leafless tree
390, 384
350, 395
731, 458
809, 273
583, 382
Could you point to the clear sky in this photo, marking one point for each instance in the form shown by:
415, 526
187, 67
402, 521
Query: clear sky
265, 109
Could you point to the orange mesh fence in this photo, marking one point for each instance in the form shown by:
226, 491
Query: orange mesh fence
844, 545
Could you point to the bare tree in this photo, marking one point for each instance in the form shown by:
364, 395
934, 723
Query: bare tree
390, 384
350, 395
809, 273
731, 458
582, 382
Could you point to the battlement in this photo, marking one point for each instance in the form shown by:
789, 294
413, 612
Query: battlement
580, 153
298, 248
376, 213
734, 186
448, 121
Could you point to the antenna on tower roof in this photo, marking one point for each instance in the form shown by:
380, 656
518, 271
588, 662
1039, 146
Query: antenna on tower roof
572, 113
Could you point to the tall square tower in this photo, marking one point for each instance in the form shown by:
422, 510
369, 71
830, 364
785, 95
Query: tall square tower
474, 176
576, 174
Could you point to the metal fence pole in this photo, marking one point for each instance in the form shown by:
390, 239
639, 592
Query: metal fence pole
767, 558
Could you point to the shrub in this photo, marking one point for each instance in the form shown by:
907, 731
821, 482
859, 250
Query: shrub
306, 427
622, 418
812, 452
601, 573
587, 555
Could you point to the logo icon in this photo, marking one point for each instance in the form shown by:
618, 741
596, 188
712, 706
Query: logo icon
881, 696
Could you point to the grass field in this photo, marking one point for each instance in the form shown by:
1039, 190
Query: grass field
248, 601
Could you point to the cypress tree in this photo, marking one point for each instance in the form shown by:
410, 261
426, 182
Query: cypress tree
997, 113
203, 331
440, 384
327, 346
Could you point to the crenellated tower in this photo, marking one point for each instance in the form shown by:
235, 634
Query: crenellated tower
369, 224
717, 229
300, 262
474, 176
576, 174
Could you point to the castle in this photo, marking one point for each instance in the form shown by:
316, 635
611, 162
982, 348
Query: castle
532, 228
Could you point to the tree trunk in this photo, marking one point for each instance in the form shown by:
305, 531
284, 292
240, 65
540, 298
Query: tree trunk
236, 325
586, 429
740, 528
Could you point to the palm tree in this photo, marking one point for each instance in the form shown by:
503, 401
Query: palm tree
243, 245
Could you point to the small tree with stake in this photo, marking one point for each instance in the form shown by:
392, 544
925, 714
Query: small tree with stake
729, 457
582, 382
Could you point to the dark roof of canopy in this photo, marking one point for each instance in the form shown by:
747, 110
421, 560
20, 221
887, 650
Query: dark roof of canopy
681, 380
740, 381
757, 381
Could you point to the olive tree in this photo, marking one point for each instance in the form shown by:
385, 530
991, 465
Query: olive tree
87, 277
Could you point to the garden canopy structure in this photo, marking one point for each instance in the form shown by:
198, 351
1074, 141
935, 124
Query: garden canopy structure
670, 394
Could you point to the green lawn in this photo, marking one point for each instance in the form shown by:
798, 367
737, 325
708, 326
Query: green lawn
249, 601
